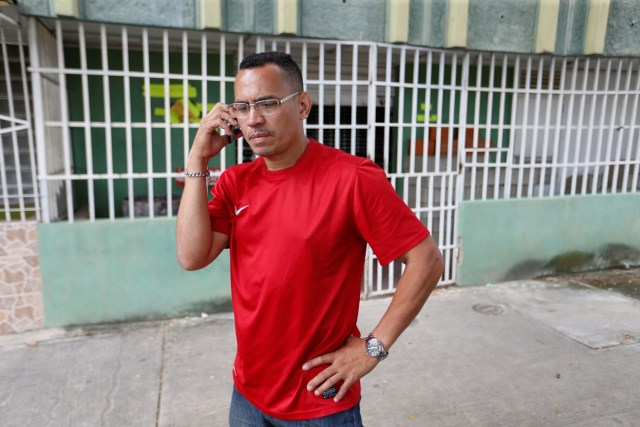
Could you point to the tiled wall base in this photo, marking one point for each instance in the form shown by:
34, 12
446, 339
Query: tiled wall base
20, 285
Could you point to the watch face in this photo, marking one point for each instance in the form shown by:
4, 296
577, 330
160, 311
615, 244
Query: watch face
374, 347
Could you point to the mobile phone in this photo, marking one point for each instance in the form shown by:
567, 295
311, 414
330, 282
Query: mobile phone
236, 133
330, 392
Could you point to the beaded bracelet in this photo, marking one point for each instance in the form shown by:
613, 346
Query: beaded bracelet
197, 174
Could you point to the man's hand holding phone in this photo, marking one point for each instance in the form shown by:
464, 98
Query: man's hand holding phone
236, 133
208, 141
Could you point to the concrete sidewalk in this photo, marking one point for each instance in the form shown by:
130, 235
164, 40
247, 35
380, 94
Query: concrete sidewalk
528, 353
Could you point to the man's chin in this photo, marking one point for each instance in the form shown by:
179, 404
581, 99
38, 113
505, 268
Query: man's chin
262, 152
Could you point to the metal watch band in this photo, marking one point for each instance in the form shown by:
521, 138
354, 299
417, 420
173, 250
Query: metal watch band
379, 352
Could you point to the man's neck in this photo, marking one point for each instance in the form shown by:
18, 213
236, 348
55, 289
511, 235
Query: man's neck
289, 158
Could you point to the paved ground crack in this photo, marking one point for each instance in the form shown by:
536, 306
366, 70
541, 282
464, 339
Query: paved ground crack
162, 359
113, 387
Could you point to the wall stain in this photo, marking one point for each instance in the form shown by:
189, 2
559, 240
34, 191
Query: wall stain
609, 256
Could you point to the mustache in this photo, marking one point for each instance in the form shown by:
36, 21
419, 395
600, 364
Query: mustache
259, 131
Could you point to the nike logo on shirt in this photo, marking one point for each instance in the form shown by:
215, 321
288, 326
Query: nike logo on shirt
241, 209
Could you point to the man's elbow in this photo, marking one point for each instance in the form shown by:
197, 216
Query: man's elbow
438, 271
437, 262
433, 261
196, 257
189, 263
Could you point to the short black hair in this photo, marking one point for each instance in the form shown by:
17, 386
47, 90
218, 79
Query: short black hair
284, 61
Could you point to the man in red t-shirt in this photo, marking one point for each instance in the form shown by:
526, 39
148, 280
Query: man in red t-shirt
297, 221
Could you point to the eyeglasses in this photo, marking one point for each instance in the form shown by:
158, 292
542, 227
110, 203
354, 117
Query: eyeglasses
265, 107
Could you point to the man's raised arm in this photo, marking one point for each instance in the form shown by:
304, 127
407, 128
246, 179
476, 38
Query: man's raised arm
196, 244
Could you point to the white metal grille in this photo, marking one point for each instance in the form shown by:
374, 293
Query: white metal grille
18, 187
445, 126
423, 87
131, 99
572, 128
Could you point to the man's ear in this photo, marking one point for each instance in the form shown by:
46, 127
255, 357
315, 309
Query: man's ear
305, 105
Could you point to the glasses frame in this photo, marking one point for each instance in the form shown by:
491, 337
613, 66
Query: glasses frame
279, 103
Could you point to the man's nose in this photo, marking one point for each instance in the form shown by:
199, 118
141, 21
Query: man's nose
254, 116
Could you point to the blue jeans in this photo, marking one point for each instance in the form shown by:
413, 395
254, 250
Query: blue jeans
243, 414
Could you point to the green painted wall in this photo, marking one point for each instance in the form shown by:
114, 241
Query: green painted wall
253, 16
145, 12
516, 239
348, 20
123, 270
623, 28
572, 24
428, 22
510, 26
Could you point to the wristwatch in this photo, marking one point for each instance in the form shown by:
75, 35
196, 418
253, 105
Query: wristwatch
375, 348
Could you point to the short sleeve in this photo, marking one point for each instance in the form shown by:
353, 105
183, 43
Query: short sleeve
383, 219
219, 206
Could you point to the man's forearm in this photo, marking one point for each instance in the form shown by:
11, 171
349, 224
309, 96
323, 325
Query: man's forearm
424, 266
193, 229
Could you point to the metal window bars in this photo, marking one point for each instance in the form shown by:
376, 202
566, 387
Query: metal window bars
19, 198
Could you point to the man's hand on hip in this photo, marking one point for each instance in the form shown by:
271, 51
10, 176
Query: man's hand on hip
348, 364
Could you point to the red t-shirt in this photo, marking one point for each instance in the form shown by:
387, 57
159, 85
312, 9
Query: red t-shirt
297, 240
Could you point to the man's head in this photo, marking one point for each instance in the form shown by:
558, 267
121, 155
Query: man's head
275, 132
290, 70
